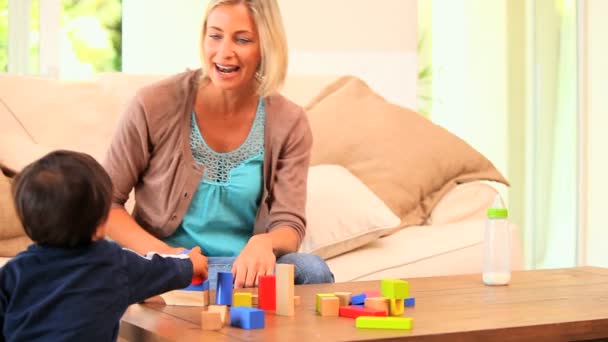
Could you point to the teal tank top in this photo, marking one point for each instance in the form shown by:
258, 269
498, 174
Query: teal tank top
222, 213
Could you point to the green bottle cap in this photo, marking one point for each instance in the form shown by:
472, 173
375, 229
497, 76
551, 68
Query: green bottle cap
496, 213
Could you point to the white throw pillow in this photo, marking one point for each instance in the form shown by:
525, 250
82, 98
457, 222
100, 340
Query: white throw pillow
342, 213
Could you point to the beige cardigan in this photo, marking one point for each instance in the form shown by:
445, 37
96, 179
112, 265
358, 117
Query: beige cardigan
151, 152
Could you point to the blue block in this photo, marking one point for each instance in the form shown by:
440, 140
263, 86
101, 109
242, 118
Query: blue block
204, 286
409, 302
223, 292
246, 318
358, 299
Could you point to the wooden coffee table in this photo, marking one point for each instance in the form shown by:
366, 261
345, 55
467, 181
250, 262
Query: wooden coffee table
561, 304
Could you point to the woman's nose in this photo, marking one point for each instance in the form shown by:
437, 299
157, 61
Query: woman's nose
226, 49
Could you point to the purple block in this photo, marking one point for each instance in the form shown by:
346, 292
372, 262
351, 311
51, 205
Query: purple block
246, 318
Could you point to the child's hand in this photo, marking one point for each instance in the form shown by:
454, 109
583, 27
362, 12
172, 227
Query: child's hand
199, 263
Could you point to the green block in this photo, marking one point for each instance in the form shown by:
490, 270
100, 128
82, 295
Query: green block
369, 322
321, 295
395, 289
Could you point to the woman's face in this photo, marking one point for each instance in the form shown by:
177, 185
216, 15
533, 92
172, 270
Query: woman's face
232, 47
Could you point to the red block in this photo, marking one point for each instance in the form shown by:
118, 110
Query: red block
267, 293
196, 280
356, 311
372, 294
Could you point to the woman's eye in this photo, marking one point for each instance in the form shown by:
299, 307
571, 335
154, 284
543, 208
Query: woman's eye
215, 36
243, 40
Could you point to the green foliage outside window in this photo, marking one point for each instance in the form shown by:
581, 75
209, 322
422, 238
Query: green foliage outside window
93, 29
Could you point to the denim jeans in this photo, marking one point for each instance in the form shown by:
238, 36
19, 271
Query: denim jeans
308, 268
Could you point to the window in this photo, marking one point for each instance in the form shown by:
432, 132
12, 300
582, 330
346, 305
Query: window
3, 35
77, 39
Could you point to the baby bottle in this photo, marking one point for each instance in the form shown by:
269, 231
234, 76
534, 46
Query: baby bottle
497, 245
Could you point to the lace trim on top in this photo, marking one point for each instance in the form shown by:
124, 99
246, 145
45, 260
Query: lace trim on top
218, 165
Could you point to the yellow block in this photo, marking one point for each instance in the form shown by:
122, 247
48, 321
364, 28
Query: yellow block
242, 299
397, 307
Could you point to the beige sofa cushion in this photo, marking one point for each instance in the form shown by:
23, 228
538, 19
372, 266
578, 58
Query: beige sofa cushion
342, 213
466, 201
405, 159
12, 237
54, 114
422, 251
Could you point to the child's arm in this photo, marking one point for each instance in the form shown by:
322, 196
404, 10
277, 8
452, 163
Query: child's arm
155, 273
199, 262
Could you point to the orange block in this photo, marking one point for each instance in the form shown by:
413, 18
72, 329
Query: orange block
211, 320
377, 303
330, 306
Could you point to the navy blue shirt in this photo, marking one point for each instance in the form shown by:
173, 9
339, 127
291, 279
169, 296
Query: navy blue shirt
57, 294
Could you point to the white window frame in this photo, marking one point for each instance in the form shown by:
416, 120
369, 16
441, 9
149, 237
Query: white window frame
19, 37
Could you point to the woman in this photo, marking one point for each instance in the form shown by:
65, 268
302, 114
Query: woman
217, 158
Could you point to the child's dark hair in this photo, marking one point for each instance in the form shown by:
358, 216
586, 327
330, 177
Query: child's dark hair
62, 198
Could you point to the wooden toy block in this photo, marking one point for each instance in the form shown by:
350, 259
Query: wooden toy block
330, 306
206, 298
372, 294
242, 299
222, 309
377, 303
267, 292
211, 320
344, 298
409, 302
198, 284
223, 292
296, 300
358, 299
395, 288
396, 307
255, 300
196, 280
318, 301
354, 312
247, 318
185, 298
384, 322
285, 290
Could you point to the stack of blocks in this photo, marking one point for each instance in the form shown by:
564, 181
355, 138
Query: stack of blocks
276, 293
370, 308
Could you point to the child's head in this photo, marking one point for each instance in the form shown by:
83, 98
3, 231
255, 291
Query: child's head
62, 199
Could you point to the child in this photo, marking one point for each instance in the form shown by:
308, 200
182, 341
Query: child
72, 284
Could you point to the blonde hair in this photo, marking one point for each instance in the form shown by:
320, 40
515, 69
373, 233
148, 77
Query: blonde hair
273, 44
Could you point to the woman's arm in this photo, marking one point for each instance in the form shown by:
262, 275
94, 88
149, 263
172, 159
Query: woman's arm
122, 228
284, 240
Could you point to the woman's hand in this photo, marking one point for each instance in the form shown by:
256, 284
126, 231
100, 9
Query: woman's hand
256, 259
200, 264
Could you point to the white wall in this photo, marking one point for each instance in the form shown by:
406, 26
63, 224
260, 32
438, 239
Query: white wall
470, 82
373, 40
161, 36
596, 103
376, 41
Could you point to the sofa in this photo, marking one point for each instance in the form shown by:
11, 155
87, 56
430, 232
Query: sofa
390, 194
